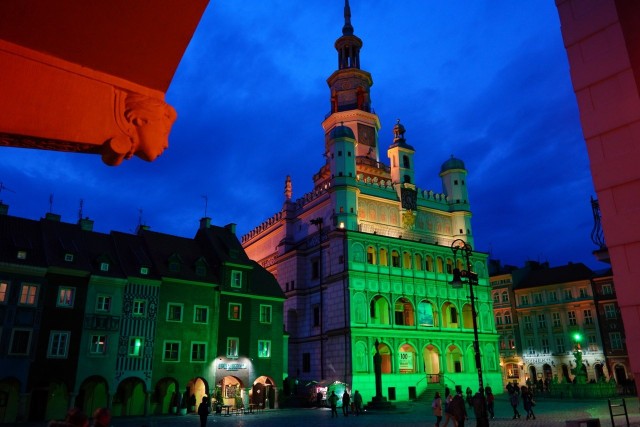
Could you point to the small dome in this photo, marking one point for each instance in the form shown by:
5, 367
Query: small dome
341, 132
398, 131
452, 163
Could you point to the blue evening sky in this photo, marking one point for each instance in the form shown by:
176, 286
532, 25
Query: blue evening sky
486, 81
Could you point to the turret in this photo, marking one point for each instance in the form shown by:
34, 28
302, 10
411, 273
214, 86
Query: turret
454, 185
401, 157
454, 176
342, 164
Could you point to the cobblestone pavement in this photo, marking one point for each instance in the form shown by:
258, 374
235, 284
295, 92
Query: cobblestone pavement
549, 413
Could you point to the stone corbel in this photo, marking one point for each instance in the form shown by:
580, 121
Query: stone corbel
144, 123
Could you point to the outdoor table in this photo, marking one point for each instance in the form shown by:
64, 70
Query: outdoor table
225, 409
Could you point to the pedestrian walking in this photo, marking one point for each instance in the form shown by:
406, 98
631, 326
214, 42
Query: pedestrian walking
436, 406
458, 409
469, 399
357, 400
447, 408
203, 411
480, 409
528, 403
490, 401
346, 403
333, 402
514, 400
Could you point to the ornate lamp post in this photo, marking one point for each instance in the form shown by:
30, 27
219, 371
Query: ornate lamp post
471, 279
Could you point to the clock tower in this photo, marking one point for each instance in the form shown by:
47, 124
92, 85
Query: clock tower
350, 89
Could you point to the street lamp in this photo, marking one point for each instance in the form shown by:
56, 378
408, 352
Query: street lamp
460, 245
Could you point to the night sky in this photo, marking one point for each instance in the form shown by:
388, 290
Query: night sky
487, 82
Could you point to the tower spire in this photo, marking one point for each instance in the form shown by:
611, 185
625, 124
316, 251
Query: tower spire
347, 29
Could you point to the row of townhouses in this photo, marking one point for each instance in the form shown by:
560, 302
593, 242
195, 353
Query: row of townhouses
544, 314
142, 323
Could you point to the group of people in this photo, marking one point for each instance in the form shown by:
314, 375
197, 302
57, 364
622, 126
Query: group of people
516, 394
77, 418
452, 407
346, 403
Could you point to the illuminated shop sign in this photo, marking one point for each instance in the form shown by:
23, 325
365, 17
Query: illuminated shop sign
232, 366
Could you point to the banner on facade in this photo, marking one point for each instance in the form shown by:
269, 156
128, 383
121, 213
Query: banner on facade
406, 361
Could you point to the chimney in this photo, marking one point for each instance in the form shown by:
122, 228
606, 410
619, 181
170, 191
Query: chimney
52, 217
85, 224
4, 209
205, 222
231, 227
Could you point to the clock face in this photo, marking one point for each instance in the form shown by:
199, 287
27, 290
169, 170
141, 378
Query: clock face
408, 199
366, 135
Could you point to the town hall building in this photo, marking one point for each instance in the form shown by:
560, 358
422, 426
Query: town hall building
365, 258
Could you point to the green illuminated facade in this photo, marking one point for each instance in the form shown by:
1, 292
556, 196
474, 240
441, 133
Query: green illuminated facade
366, 256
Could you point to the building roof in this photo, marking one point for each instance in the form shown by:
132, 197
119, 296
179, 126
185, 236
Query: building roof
264, 283
341, 132
178, 257
556, 275
451, 164
132, 256
20, 234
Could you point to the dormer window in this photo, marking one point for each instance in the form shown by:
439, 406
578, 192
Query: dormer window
174, 267
144, 271
22, 255
104, 266
236, 279
68, 257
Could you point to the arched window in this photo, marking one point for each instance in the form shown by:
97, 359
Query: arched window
439, 265
505, 296
429, 262
449, 265
460, 265
507, 317
395, 259
385, 358
498, 318
379, 311
426, 314
405, 162
406, 260
384, 257
406, 359
496, 297
417, 262
371, 255
431, 360
407, 179
449, 316
454, 359
403, 310
467, 319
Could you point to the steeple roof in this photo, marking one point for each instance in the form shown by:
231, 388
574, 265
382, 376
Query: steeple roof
347, 29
